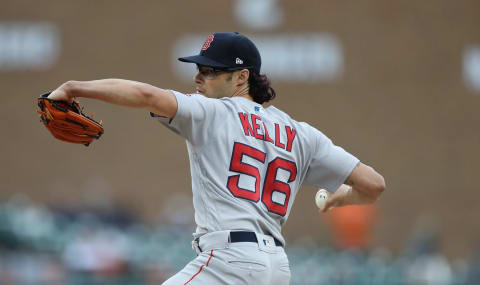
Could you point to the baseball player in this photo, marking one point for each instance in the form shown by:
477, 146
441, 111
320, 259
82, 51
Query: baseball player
247, 162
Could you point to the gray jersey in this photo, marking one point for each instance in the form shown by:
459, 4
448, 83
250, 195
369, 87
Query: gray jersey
247, 163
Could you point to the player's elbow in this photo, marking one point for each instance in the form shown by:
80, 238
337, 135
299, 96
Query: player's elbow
367, 181
377, 186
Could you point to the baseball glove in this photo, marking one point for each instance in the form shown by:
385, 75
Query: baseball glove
67, 122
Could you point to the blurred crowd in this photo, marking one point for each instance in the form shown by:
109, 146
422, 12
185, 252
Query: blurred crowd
50, 245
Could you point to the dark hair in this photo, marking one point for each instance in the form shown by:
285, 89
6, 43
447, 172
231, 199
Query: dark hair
259, 87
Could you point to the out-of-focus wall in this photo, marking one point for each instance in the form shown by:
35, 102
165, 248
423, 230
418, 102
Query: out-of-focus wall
397, 96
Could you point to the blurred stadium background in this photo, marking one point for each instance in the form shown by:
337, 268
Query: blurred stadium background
397, 83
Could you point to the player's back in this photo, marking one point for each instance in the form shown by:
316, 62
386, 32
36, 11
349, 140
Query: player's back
253, 165
247, 162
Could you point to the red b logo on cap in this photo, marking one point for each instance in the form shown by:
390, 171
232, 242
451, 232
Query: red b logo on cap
208, 42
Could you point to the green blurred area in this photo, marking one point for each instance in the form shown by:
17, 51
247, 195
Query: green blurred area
40, 245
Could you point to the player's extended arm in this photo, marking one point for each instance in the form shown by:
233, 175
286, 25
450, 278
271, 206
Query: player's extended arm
120, 92
363, 186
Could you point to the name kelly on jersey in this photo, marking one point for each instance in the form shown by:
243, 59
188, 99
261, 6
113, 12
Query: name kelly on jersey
251, 126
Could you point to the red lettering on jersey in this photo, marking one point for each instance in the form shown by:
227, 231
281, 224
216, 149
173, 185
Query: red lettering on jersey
208, 42
237, 165
271, 185
256, 126
267, 137
277, 137
247, 128
290, 137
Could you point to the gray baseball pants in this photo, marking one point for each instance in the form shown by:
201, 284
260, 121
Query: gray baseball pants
221, 261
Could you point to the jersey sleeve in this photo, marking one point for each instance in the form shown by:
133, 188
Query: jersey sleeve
195, 114
330, 166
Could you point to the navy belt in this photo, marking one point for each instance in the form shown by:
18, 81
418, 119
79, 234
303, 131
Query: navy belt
242, 236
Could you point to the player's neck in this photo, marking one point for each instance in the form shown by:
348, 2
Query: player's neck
242, 91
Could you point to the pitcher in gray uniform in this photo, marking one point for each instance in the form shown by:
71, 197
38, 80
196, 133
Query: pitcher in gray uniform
247, 162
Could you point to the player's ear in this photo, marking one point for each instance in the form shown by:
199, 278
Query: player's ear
242, 76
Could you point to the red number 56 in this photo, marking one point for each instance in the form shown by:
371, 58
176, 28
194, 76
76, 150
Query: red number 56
270, 185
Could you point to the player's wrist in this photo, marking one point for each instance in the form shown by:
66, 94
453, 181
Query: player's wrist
67, 89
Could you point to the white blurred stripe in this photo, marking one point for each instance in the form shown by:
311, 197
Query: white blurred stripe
28, 45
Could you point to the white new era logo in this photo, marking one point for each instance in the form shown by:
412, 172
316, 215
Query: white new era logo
238, 61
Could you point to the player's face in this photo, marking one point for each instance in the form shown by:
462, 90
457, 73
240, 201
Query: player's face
214, 83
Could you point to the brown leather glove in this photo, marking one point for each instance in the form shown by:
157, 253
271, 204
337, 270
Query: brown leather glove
67, 122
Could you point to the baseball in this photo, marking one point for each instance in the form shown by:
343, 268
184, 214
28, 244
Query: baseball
320, 198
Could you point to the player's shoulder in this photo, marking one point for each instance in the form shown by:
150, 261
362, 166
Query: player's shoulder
195, 99
304, 130
285, 117
280, 114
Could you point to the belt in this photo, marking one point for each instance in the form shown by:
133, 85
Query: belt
242, 236
218, 239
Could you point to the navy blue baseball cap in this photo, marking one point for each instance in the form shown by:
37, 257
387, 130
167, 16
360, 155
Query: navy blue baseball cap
230, 51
